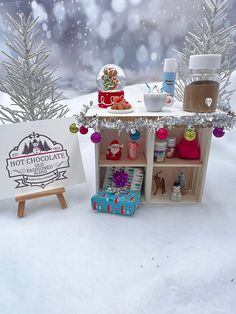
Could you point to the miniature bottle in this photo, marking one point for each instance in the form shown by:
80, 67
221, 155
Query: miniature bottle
132, 150
160, 151
169, 76
171, 148
181, 181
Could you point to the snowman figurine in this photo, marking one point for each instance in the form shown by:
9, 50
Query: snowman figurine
36, 148
176, 195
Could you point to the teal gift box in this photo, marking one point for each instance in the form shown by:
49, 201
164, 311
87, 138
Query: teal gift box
120, 203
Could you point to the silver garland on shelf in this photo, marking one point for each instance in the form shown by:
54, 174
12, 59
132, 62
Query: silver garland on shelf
216, 119
28, 81
210, 37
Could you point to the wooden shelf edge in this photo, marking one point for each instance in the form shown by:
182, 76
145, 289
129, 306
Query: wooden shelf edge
178, 162
123, 162
189, 198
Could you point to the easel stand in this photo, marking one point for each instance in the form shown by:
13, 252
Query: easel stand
22, 198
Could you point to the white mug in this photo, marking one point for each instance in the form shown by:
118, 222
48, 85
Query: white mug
156, 101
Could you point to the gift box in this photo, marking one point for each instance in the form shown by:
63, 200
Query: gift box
135, 178
116, 202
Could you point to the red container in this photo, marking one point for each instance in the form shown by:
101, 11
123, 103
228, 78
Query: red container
105, 98
188, 149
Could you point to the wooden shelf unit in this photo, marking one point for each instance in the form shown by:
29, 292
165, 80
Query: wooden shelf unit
195, 169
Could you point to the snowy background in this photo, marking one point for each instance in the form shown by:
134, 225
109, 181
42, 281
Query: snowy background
86, 34
166, 260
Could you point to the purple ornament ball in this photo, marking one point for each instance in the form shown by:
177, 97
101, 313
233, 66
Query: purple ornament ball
218, 132
96, 137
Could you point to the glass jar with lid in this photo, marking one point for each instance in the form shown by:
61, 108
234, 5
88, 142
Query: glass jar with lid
203, 82
160, 151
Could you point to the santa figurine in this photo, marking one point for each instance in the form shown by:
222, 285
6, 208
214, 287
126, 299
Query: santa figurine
114, 150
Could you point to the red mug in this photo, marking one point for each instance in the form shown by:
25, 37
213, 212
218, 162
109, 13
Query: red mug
105, 99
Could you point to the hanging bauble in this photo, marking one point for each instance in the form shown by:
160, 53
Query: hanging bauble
74, 128
135, 135
162, 134
96, 137
218, 132
83, 130
190, 134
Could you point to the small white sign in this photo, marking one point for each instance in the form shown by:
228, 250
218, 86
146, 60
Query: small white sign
37, 156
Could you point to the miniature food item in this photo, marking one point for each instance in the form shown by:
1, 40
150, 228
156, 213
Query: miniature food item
119, 103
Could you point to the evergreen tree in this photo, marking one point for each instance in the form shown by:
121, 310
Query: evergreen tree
26, 149
46, 147
28, 81
40, 145
31, 147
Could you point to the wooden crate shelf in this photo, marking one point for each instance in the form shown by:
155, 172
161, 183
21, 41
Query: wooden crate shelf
178, 162
140, 161
195, 169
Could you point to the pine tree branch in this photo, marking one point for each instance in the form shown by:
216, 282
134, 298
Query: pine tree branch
28, 82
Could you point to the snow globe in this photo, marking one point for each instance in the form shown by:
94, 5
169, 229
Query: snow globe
110, 81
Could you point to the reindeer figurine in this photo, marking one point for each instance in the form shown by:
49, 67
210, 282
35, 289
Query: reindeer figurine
160, 183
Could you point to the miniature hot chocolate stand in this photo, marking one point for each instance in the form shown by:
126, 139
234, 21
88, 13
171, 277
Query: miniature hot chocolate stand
149, 156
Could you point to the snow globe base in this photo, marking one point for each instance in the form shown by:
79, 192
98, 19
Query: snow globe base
105, 99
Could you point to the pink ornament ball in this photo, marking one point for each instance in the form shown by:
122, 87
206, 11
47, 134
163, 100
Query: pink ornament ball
83, 130
218, 132
162, 134
96, 137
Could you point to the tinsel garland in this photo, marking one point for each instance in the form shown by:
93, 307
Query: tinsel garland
225, 120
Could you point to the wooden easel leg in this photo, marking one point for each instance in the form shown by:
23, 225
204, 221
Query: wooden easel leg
22, 198
21, 209
62, 200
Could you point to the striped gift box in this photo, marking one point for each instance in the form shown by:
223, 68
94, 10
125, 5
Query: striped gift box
135, 178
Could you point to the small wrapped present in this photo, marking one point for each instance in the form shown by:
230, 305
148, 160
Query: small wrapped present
135, 177
116, 201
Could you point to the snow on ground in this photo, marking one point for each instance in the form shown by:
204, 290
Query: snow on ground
166, 260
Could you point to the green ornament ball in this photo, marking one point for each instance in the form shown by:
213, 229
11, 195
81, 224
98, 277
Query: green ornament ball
73, 128
190, 134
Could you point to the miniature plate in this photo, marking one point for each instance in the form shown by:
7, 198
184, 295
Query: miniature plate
119, 111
